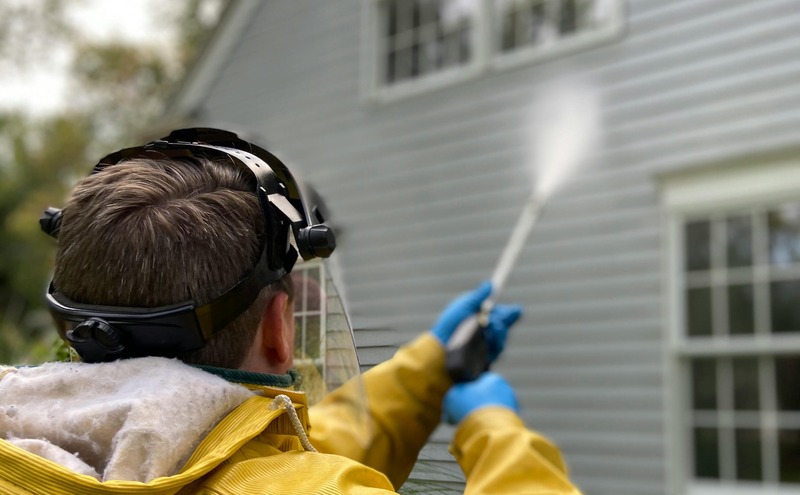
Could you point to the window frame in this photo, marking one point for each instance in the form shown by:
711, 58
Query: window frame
578, 42
487, 58
718, 189
302, 313
373, 65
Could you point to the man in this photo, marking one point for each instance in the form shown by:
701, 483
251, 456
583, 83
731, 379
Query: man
182, 249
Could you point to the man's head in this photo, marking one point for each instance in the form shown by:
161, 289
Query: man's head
147, 233
180, 248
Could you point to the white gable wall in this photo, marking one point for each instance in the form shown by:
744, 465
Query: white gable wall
427, 189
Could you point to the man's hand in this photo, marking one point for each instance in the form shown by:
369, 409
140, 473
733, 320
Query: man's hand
489, 389
501, 318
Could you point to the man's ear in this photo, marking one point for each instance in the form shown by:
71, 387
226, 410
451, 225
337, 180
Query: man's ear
277, 332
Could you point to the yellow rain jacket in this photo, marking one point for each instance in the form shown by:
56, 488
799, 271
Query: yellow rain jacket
118, 441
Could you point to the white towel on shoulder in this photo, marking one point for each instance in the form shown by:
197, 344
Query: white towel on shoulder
135, 419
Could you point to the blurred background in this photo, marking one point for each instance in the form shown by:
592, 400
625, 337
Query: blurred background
78, 79
660, 344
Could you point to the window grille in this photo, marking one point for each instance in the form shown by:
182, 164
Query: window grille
541, 22
425, 36
419, 45
309, 313
741, 291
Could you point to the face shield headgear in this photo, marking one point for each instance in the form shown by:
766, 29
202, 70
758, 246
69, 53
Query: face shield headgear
293, 227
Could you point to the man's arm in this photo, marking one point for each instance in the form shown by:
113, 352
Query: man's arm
497, 453
403, 397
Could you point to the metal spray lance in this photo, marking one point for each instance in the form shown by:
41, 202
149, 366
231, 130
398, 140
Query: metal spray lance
566, 129
467, 353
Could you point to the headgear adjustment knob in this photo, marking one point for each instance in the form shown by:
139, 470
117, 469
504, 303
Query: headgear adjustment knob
51, 221
316, 241
96, 340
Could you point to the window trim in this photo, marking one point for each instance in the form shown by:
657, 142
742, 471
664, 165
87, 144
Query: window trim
716, 188
487, 59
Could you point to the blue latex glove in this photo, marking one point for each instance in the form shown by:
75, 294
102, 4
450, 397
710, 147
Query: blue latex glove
501, 318
489, 389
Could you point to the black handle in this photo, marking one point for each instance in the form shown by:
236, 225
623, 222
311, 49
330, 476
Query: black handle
467, 353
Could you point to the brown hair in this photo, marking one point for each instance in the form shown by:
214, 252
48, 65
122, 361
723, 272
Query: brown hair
148, 233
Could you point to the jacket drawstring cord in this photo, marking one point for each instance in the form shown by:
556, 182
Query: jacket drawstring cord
283, 401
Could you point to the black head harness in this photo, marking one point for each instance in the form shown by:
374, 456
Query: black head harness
105, 333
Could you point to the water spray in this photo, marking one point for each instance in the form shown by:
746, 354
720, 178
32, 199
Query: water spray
564, 120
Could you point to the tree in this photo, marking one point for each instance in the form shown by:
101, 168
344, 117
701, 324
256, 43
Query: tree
122, 88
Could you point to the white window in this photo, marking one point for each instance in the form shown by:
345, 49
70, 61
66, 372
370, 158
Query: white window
734, 238
412, 46
416, 45
324, 350
309, 314
529, 31
424, 37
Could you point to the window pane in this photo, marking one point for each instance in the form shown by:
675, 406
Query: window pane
568, 23
391, 60
312, 336
704, 384
748, 454
299, 283
465, 48
314, 291
698, 245
698, 311
508, 39
787, 379
423, 36
789, 441
784, 234
739, 241
741, 316
298, 337
391, 18
745, 383
450, 49
540, 25
308, 294
456, 18
402, 64
416, 13
785, 304
706, 453
527, 24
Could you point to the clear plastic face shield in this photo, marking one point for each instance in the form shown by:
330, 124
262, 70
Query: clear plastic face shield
324, 353
325, 356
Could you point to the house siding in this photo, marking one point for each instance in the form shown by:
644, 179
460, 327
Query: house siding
427, 190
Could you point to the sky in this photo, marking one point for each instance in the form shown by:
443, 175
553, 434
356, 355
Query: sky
42, 89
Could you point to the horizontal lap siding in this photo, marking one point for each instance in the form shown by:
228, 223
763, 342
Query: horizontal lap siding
428, 188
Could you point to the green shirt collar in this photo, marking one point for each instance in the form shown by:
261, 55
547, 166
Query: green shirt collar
252, 377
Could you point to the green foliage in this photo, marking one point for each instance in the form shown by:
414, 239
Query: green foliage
119, 89
36, 160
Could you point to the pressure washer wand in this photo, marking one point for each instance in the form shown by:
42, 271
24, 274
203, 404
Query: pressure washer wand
467, 352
